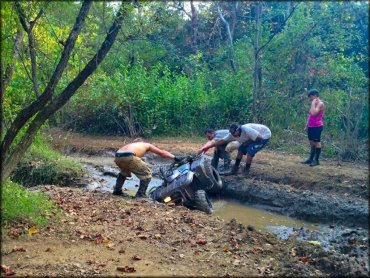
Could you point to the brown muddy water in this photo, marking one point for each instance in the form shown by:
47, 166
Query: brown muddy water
260, 219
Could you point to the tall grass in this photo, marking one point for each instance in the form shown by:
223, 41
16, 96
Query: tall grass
18, 204
42, 165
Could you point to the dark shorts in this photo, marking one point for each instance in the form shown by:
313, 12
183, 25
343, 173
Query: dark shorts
254, 147
220, 150
314, 133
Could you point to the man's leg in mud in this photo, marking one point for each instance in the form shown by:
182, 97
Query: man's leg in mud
235, 168
252, 149
230, 147
227, 161
248, 162
142, 188
118, 187
215, 159
143, 172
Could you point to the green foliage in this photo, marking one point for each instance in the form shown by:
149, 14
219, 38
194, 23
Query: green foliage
170, 74
42, 165
21, 205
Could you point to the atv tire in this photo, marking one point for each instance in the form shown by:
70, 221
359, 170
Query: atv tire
201, 201
216, 180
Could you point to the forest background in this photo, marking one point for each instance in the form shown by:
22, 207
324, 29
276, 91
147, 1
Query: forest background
176, 68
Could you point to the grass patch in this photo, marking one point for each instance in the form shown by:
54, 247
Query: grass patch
21, 205
42, 165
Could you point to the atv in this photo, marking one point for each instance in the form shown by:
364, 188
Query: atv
187, 183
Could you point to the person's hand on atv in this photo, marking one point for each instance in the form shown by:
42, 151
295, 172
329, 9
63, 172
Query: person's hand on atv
205, 149
177, 159
180, 159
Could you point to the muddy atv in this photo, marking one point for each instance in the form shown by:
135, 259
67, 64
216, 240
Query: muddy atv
187, 183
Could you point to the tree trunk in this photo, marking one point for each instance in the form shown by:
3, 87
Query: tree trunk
257, 78
7, 76
11, 160
11, 65
230, 39
194, 27
27, 113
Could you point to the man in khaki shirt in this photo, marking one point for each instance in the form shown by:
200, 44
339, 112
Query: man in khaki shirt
128, 159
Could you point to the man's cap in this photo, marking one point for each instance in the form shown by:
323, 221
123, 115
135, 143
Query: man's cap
234, 127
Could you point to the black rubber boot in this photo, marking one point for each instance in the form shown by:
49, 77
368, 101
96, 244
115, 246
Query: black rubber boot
312, 154
314, 162
227, 161
117, 190
141, 193
235, 168
247, 167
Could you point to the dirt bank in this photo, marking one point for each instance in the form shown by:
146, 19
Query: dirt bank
307, 205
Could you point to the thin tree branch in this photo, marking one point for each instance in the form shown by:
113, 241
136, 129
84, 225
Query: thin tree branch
28, 27
273, 36
179, 7
11, 65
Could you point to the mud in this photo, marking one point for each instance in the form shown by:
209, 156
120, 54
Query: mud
301, 204
335, 194
341, 224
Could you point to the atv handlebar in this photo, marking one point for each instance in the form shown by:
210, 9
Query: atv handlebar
186, 159
179, 161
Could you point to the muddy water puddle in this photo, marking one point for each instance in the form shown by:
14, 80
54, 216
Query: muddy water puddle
105, 183
260, 219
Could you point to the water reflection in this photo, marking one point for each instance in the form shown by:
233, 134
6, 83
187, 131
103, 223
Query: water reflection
259, 219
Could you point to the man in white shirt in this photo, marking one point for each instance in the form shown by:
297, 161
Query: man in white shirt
252, 137
221, 151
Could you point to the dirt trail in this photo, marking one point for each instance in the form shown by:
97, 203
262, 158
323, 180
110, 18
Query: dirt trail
102, 234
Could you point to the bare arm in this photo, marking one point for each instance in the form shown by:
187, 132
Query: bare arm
259, 138
208, 144
217, 143
316, 107
160, 152
211, 144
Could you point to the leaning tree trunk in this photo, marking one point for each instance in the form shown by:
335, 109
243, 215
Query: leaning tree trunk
13, 156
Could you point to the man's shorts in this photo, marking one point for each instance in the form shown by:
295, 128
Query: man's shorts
133, 164
253, 147
314, 133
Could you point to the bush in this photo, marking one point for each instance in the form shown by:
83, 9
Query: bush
21, 205
42, 165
